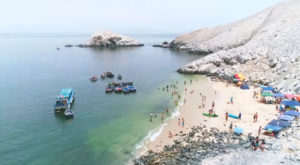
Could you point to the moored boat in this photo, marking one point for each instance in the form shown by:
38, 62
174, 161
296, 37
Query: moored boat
94, 78
109, 89
109, 74
125, 90
119, 77
103, 76
68, 113
118, 89
132, 89
64, 99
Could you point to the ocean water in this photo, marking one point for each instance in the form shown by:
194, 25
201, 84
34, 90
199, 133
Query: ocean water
106, 129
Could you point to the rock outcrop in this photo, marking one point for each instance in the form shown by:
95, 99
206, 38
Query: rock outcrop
264, 47
110, 39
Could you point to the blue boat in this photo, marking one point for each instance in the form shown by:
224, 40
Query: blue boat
64, 99
125, 90
132, 89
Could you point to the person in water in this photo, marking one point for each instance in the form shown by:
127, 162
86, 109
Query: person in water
167, 110
162, 117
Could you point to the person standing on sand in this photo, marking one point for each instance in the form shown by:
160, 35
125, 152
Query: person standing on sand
226, 116
255, 117
230, 126
231, 100
259, 130
182, 122
170, 134
184, 101
213, 104
179, 121
254, 94
240, 115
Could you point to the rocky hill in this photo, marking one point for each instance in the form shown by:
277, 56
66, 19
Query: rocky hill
110, 39
264, 47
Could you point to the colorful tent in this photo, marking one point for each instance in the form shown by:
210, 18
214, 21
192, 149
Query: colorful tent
245, 86
239, 76
290, 103
281, 95
266, 94
286, 117
238, 130
280, 123
266, 88
273, 128
292, 113
289, 95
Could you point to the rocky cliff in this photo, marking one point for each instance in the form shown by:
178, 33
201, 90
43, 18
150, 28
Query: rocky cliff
264, 47
110, 39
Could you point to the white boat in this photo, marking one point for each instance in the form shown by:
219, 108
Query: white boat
68, 113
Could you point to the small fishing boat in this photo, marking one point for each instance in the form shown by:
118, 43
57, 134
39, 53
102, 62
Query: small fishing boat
103, 76
125, 90
68, 113
109, 74
64, 99
119, 77
127, 83
109, 89
118, 89
132, 89
94, 78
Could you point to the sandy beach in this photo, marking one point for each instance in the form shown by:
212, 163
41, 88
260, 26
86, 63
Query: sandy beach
220, 93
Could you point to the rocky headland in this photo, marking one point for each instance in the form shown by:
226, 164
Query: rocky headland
264, 47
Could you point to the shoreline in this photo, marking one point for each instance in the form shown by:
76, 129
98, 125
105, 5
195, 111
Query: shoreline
193, 115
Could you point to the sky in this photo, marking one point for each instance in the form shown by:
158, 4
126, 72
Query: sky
88, 16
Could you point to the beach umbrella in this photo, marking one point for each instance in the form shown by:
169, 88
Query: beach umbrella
267, 88
266, 94
238, 130
281, 95
289, 95
298, 97
286, 117
273, 128
291, 113
290, 103
280, 123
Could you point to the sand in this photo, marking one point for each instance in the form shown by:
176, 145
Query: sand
220, 93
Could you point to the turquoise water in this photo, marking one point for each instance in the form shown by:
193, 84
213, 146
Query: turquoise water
106, 128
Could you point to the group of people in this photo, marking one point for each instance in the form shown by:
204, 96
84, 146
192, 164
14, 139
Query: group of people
155, 115
257, 143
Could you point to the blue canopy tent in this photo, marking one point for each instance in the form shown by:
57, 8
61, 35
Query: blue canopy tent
280, 123
245, 86
281, 95
266, 88
290, 103
238, 130
286, 117
292, 113
273, 128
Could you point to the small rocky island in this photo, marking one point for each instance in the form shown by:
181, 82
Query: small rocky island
111, 39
